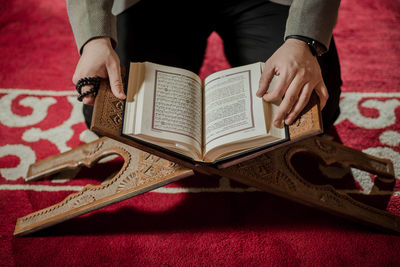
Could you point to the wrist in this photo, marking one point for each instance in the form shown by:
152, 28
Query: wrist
299, 46
297, 43
97, 42
316, 48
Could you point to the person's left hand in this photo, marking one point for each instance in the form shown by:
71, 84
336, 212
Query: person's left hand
299, 74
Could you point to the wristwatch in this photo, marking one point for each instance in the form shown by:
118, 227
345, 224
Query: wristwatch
317, 49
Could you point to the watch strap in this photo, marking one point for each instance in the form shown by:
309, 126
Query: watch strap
316, 48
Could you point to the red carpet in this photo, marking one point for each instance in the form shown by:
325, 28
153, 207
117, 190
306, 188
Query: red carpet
200, 220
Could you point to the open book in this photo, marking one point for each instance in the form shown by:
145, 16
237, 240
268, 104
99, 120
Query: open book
205, 121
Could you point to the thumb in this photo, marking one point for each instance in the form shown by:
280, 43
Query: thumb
265, 80
114, 75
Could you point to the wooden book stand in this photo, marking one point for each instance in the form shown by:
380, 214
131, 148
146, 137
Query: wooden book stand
275, 172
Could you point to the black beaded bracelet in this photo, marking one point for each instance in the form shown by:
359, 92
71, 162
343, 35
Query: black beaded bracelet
94, 81
93, 91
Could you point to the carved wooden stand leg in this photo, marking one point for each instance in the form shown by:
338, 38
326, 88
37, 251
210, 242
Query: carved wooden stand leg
140, 173
273, 172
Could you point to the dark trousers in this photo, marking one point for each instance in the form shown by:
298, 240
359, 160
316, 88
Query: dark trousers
175, 33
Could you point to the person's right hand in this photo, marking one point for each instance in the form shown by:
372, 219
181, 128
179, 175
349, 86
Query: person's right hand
299, 75
99, 59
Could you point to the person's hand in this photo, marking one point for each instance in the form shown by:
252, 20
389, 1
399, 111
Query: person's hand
99, 59
299, 74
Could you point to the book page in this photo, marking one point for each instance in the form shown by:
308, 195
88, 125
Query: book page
135, 82
235, 119
170, 103
231, 104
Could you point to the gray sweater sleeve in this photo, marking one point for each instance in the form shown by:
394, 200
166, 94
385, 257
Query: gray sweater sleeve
90, 19
314, 19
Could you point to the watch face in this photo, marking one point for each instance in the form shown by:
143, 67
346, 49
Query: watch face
313, 48
319, 50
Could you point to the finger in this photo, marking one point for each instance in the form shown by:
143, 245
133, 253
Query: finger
289, 100
280, 87
265, 80
75, 78
114, 75
302, 101
323, 94
89, 99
